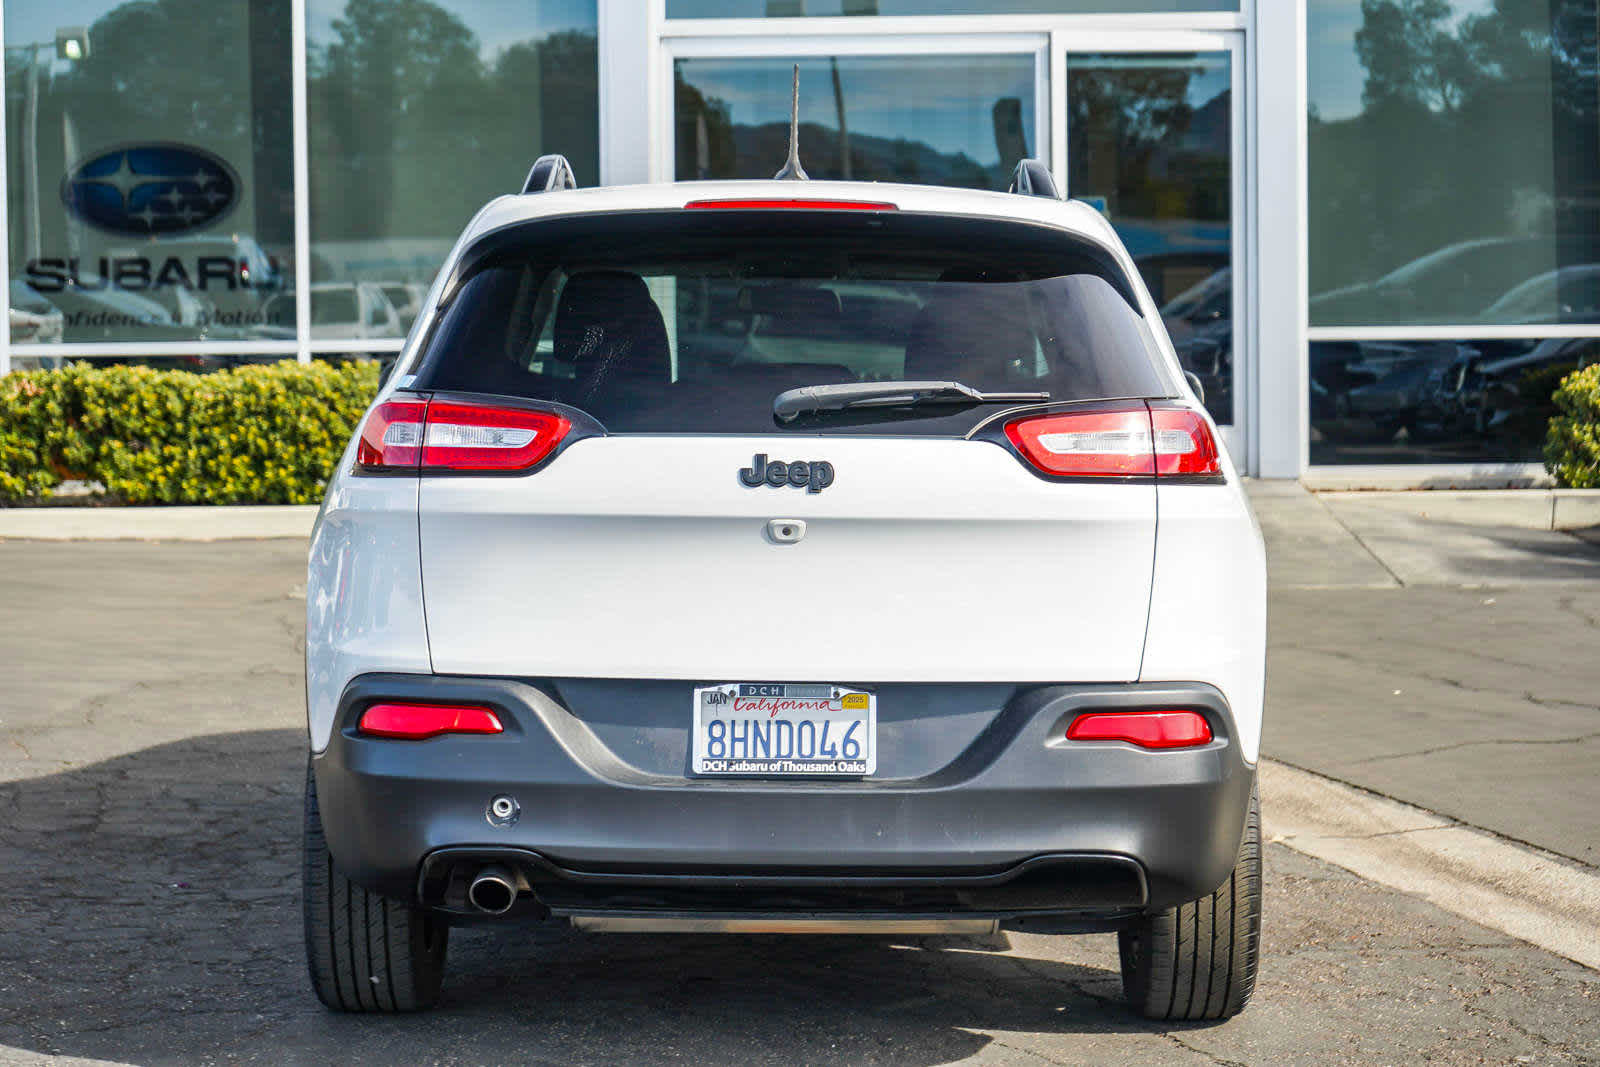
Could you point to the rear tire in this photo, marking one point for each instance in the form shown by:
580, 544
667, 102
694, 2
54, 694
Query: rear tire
1198, 961
366, 952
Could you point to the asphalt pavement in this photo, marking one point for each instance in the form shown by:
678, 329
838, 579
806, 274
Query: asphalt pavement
151, 753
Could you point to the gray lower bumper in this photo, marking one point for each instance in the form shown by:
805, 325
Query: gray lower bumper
1017, 800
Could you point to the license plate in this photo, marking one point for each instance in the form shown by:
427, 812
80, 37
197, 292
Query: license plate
778, 730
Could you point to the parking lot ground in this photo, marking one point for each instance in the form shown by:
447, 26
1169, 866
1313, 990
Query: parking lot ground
150, 772
1451, 664
1480, 704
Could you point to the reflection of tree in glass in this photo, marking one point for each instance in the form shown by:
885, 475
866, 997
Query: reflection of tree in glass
1475, 126
710, 145
1136, 140
704, 134
174, 62
412, 130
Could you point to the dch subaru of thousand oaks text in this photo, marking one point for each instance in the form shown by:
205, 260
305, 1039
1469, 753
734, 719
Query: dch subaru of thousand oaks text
786, 556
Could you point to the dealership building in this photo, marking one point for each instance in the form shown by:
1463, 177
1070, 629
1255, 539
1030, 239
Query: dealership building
1373, 226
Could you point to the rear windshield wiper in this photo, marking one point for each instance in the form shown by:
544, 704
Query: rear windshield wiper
809, 399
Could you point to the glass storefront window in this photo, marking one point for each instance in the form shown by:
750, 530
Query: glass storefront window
419, 113
1150, 143
1454, 162
932, 120
749, 9
149, 169
1437, 401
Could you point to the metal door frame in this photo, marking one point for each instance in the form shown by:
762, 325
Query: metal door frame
1240, 433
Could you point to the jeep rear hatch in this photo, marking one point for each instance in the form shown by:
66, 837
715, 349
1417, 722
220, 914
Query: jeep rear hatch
637, 510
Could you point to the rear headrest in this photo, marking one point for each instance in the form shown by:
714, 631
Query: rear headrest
969, 333
608, 326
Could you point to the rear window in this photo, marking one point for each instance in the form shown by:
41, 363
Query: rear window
694, 321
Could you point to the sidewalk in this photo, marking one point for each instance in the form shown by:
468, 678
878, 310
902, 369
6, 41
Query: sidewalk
155, 524
1375, 540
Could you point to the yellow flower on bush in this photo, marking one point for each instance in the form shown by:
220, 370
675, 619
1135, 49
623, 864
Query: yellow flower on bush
176, 437
1572, 444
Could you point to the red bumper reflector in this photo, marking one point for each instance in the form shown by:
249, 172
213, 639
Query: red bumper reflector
790, 205
1147, 729
415, 722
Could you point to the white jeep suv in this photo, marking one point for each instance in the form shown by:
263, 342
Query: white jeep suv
780, 556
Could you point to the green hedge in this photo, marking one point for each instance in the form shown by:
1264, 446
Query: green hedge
1572, 445
267, 434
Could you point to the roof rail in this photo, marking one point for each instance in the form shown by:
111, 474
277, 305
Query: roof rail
550, 173
1032, 178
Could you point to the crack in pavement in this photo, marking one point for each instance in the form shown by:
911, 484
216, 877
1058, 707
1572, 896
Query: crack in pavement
1569, 604
1455, 683
1366, 659
1028, 1052
1453, 824
1213, 1057
1470, 744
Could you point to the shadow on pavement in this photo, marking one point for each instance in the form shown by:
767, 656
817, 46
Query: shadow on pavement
149, 913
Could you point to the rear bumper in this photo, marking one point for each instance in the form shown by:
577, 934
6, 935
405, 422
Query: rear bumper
1021, 822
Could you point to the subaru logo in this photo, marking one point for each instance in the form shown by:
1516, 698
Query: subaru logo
150, 189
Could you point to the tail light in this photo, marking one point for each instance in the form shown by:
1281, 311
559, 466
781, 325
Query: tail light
1147, 729
789, 205
417, 722
413, 436
391, 438
1126, 441
1184, 444
478, 437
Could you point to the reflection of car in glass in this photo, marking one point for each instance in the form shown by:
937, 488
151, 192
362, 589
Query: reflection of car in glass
111, 314
1211, 300
1171, 273
1362, 389
1445, 405
660, 584
34, 320
1400, 375
354, 311
252, 277
1200, 322
1513, 393
1571, 294
407, 298
1455, 284
189, 308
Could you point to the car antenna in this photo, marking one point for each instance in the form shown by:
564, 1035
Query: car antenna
792, 171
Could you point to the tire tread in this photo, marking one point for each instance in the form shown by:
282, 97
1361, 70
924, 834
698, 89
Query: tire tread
1198, 961
365, 952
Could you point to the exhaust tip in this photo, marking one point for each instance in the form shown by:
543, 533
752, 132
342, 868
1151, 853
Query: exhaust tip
492, 891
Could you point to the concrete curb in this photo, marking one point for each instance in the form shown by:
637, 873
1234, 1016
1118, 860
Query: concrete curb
156, 524
1532, 895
